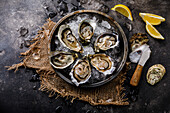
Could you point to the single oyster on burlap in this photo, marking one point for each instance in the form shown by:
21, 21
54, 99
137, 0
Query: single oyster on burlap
137, 40
106, 41
155, 74
81, 71
102, 63
68, 39
86, 30
61, 59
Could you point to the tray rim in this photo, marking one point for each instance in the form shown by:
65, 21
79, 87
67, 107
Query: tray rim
124, 41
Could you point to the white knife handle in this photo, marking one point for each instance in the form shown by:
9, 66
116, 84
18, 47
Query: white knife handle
136, 76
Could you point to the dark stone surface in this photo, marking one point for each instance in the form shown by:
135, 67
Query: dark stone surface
19, 95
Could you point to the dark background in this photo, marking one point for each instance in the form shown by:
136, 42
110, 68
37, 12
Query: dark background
19, 22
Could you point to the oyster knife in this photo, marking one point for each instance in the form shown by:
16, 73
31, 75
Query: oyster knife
137, 74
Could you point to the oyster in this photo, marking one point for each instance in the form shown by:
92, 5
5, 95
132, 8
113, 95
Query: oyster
61, 59
102, 63
135, 55
155, 74
68, 39
81, 72
106, 41
137, 40
86, 30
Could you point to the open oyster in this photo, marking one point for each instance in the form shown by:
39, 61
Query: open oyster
137, 40
61, 59
68, 39
106, 41
86, 30
155, 74
81, 71
102, 63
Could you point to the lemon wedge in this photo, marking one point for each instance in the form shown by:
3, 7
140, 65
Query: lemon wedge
124, 10
152, 18
153, 31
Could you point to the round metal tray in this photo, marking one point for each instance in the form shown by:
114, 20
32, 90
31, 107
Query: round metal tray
123, 45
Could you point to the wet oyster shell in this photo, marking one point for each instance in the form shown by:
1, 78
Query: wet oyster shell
68, 39
102, 63
61, 59
137, 40
106, 41
81, 72
86, 30
155, 74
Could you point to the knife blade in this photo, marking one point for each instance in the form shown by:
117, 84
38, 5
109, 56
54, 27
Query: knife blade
137, 74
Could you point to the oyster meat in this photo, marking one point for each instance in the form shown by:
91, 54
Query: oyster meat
61, 59
86, 30
102, 63
137, 40
155, 74
106, 41
81, 72
68, 39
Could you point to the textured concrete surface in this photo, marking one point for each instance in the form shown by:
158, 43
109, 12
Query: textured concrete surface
19, 22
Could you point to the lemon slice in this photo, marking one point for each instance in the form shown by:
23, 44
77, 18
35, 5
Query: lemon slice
153, 32
124, 10
152, 18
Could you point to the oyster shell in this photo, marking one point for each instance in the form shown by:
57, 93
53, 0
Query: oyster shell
68, 39
61, 59
81, 72
135, 55
106, 41
137, 40
155, 74
86, 30
102, 63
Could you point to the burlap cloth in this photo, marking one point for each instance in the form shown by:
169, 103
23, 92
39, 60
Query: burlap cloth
37, 57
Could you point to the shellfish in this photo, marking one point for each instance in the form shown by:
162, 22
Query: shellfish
68, 39
155, 74
102, 63
106, 41
61, 59
137, 40
81, 72
86, 30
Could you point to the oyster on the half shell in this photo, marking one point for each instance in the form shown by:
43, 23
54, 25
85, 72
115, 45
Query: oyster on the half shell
61, 59
81, 71
106, 41
68, 39
86, 30
155, 74
102, 63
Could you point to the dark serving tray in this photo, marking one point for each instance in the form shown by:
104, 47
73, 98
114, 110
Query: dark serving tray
120, 54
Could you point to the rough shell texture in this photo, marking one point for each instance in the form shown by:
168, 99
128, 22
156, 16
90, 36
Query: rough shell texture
137, 40
81, 72
102, 63
86, 30
68, 39
61, 59
155, 74
106, 41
